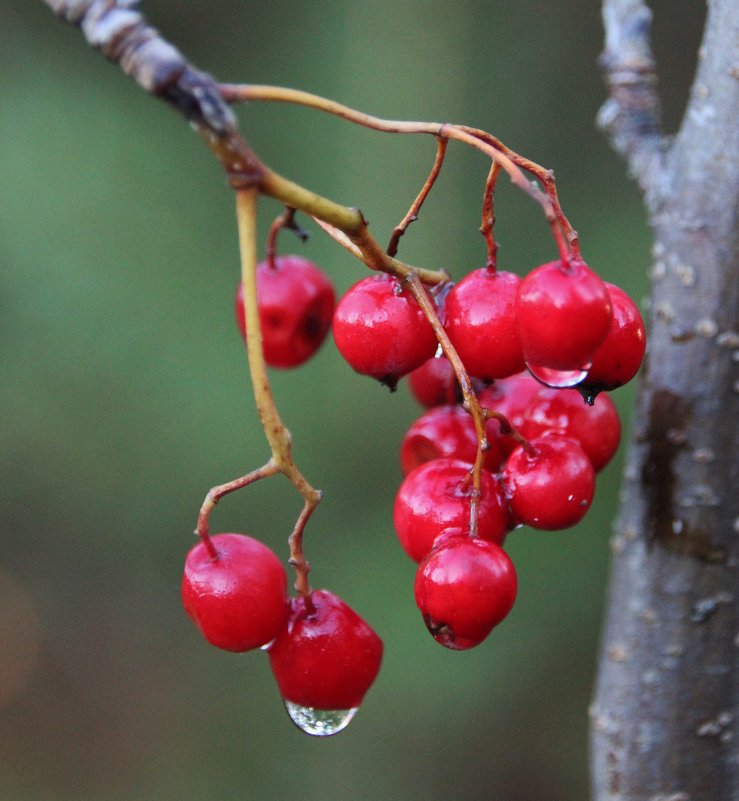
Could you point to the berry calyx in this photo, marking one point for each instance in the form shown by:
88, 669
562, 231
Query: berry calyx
436, 496
564, 314
295, 301
239, 599
480, 319
618, 359
327, 656
597, 428
447, 431
381, 331
550, 486
464, 588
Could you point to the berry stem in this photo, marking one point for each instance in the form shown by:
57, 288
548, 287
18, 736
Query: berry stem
487, 226
471, 403
216, 493
278, 436
415, 208
284, 220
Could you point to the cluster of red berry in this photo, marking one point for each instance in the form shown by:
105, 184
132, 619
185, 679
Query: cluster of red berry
534, 348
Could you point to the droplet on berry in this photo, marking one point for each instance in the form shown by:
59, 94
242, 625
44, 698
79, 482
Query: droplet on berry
324, 661
320, 722
564, 314
381, 331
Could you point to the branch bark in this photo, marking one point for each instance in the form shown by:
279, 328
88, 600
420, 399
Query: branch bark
664, 718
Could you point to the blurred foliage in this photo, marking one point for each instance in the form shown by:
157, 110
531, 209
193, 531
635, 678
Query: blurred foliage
125, 396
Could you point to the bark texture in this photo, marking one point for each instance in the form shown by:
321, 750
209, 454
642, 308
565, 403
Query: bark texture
664, 718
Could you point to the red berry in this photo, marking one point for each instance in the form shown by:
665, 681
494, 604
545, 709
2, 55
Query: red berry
327, 656
434, 383
238, 600
464, 588
295, 301
564, 314
510, 397
553, 486
436, 496
597, 428
618, 359
480, 319
381, 331
446, 431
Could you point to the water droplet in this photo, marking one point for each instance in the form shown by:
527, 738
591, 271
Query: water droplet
319, 722
557, 378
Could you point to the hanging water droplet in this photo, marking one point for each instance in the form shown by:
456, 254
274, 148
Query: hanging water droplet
320, 722
267, 645
557, 378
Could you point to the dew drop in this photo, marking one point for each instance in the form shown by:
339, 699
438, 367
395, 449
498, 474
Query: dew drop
557, 378
320, 722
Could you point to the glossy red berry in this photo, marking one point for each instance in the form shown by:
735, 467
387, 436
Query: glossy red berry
564, 314
327, 656
381, 331
618, 359
510, 397
553, 486
464, 588
447, 431
436, 497
597, 428
295, 301
238, 600
434, 383
480, 319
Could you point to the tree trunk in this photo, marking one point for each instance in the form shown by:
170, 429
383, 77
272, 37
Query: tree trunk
664, 718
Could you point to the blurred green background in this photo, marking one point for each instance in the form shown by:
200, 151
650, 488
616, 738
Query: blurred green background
125, 396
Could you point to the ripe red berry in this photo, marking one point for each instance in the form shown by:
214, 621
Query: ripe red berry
327, 656
597, 428
434, 383
381, 331
564, 313
480, 319
618, 359
464, 588
553, 486
447, 431
295, 301
510, 397
436, 496
238, 600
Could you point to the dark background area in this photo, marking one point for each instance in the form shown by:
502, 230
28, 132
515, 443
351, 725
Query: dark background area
125, 397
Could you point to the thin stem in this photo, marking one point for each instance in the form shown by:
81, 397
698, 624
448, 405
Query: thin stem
471, 403
487, 226
216, 493
412, 215
277, 434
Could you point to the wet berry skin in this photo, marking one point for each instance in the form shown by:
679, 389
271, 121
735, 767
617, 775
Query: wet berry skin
564, 314
436, 496
596, 427
551, 488
434, 383
480, 319
464, 588
296, 303
381, 331
618, 359
447, 431
327, 656
239, 600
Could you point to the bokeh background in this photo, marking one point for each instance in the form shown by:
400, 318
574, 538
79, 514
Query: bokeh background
125, 396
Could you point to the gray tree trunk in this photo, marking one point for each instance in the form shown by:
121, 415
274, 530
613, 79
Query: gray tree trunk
664, 719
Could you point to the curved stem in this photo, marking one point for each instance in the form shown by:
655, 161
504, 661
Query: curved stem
277, 434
